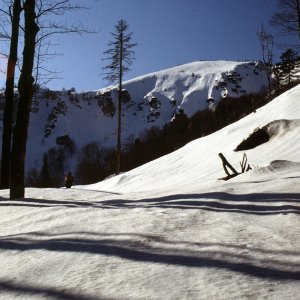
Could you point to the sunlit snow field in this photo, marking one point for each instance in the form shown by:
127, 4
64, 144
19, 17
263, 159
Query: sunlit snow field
170, 229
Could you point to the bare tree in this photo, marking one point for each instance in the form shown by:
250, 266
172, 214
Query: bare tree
14, 14
287, 19
120, 57
47, 28
42, 74
266, 44
6, 10
92, 163
25, 89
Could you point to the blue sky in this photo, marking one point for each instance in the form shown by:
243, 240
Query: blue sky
168, 33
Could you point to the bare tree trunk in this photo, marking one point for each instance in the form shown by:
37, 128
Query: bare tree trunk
120, 106
266, 44
298, 16
9, 96
119, 149
25, 87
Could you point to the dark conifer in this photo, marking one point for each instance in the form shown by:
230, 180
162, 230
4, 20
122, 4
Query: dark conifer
288, 65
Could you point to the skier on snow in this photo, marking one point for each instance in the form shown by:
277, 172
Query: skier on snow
69, 180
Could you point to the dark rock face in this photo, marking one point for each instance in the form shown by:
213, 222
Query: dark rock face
258, 137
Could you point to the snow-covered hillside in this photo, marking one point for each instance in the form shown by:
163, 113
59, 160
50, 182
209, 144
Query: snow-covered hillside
150, 100
169, 229
281, 117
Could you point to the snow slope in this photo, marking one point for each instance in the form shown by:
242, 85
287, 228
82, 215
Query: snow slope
202, 154
169, 229
153, 99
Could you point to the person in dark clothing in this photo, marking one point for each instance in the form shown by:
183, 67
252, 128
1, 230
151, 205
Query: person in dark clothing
69, 180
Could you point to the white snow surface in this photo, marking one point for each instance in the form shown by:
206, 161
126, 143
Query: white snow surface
169, 229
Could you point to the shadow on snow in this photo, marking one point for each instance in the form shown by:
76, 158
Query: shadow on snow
258, 204
21, 288
261, 263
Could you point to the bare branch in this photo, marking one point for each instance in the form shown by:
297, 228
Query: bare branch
49, 28
58, 8
287, 19
266, 44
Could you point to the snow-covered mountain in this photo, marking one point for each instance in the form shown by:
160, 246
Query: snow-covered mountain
150, 100
169, 229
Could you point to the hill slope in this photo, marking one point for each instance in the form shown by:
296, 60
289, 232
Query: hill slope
199, 159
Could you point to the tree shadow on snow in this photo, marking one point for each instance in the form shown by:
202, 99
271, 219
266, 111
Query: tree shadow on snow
31, 202
258, 204
20, 288
259, 263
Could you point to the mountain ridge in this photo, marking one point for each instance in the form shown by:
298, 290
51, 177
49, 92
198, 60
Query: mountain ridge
149, 100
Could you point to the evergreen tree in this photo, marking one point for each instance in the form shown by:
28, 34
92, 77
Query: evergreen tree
120, 56
277, 73
288, 65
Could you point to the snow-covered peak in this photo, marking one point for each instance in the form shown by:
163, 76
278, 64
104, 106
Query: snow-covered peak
188, 86
149, 100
